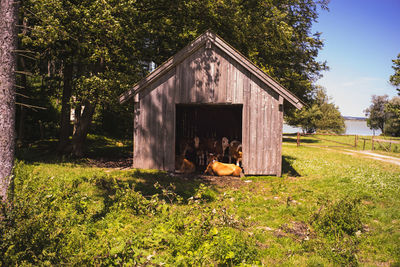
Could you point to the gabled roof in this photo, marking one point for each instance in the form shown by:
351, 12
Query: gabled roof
205, 39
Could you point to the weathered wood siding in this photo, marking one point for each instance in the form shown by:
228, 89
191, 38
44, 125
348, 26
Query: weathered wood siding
155, 118
209, 76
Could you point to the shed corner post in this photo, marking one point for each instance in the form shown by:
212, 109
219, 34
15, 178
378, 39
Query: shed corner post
136, 114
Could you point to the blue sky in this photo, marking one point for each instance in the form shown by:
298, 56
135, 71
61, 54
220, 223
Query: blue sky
361, 39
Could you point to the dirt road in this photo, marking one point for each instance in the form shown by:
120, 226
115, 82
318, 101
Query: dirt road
375, 156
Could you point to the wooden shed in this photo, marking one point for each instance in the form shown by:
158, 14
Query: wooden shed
209, 88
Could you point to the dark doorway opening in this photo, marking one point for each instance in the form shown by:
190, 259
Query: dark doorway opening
206, 122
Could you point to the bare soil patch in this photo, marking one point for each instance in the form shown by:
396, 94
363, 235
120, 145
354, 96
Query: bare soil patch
117, 163
223, 181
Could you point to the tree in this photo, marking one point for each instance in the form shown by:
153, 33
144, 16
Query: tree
395, 78
275, 35
306, 118
106, 58
376, 115
392, 111
331, 119
96, 64
8, 45
321, 116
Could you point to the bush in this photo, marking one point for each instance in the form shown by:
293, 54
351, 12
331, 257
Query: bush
340, 225
340, 218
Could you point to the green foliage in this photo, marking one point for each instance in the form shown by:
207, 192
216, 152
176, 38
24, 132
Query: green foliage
375, 114
395, 78
392, 110
109, 45
341, 223
384, 114
339, 219
320, 116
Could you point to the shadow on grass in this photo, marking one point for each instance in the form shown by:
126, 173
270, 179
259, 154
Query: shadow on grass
99, 151
144, 181
186, 185
302, 140
287, 167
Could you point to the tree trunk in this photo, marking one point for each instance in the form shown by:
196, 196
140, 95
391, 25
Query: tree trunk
81, 130
65, 125
8, 44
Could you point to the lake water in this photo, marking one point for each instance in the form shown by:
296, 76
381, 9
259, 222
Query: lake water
358, 127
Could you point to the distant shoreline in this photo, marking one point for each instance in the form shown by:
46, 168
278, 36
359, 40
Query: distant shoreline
350, 118
354, 125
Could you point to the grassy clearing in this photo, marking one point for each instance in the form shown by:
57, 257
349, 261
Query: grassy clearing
327, 209
348, 142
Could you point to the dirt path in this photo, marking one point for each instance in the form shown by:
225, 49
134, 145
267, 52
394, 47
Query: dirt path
374, 156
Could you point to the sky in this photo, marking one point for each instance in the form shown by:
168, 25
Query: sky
361, 38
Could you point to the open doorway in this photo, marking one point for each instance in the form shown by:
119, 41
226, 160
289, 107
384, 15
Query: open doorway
210, 123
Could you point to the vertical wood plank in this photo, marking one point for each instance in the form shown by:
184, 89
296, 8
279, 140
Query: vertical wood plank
240, 77
136, 134
197, 78
246, 126
274, 121
231, 82
178, 79
164, 126
279, 138
253, 126
152, 132
145, 129
169, 141
260, 132
269, 141
210, 82
265, 138
257, 127
146, 132
220, 78
192, 72
228, 80
157, 140
184, 81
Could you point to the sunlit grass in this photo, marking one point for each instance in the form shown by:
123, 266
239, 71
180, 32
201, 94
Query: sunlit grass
101, 215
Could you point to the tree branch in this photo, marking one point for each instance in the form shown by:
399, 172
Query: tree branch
23, 95
29, 106
23, 72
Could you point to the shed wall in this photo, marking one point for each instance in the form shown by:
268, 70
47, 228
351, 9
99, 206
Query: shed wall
209, 76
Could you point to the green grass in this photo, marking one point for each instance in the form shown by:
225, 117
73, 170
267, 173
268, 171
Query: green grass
348, 142
67, 212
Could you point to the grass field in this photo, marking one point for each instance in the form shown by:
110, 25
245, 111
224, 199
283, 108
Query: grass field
328, 209
349, 142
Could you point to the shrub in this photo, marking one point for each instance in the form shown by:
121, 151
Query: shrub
340, 225
340, 218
